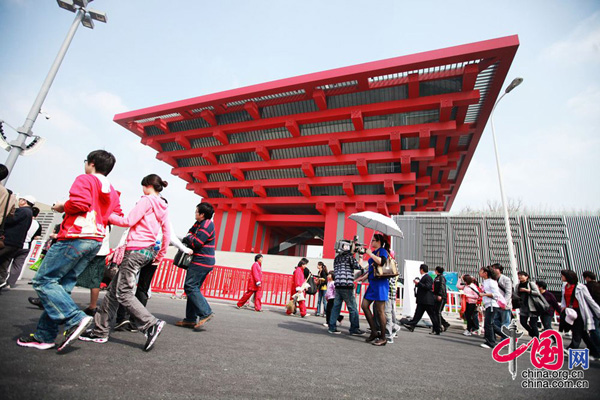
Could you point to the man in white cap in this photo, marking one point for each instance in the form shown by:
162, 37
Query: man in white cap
15, 232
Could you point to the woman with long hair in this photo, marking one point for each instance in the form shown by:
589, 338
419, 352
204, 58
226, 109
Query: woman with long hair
578, 298
472, 296
149, 216
322, 277
378, 290
490, 295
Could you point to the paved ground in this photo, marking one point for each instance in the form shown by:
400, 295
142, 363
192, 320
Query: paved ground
243, 354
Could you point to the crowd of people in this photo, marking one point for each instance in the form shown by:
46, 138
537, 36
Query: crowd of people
79, 251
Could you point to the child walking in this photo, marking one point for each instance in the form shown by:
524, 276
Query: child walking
330, 296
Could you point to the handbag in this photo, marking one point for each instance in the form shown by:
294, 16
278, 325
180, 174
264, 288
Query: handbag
388, 270
182, 260
540, 304
312, 285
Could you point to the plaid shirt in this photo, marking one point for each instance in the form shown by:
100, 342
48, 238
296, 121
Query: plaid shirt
343, 268
392, 292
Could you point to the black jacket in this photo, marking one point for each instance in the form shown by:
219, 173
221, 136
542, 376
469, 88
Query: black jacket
16, 227
424, 291
439, 287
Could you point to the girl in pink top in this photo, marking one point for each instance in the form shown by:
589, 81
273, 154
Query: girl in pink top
330, 296
145, 221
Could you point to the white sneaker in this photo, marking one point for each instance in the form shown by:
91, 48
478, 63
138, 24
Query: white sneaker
467, 333
325, 325
485, 346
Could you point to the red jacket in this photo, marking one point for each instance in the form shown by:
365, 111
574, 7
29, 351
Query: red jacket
255, 276
297, 279
92, 199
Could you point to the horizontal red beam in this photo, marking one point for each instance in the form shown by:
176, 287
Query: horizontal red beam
379, 157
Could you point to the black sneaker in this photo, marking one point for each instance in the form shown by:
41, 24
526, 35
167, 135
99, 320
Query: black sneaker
73, 332
90, 336
36, 302
410, 328
31, 341
90, 311
125, 326
357, 332
152, 334
2, 284
334, 332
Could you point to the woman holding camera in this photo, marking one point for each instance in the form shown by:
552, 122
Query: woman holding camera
378, 290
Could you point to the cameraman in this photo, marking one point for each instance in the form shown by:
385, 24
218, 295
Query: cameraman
344, 265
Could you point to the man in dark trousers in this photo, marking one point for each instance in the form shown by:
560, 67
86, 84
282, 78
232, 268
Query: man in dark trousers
441, 294
425, 301
15, 232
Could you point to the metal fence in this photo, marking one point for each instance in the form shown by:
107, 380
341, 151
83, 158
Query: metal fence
544, 245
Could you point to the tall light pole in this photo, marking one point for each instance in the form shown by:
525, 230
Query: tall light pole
83, 16
511, 251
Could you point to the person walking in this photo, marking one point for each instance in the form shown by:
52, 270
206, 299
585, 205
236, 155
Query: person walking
330, 296
425, 301
322, 277
503, 316
547, 316
298, 288
145, 221
34, 233
92, 275
378, 291
440, 292
526, 290
583, 310
472, 297
344, 265
254, 285
15, 234
201, 238
92, 199
490, 294
593, 287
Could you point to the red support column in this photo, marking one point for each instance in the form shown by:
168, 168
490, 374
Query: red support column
265, 244
217, 221
257, 248
230, 225
246, 232
331, 217
349, 225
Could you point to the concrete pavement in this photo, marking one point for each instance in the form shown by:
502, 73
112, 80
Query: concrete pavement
244, 354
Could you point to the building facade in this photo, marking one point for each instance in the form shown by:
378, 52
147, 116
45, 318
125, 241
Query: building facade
285, 162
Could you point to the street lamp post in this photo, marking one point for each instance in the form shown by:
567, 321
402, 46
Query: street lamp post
511, 251
83, 16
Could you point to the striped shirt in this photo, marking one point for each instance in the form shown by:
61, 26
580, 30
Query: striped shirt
202, 239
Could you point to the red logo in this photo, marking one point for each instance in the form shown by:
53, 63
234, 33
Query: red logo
545, 352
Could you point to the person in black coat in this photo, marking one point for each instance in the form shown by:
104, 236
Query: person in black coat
15, 232
425, 301
440, 292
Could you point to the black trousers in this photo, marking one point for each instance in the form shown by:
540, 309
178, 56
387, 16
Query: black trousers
422, 309
328, 311
579, 332
438, 307
143, 288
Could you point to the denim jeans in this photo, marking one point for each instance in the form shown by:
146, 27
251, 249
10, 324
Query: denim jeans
54, 282
488, 326
595, 334
321, 301
501, 319
197, 306
546, 321
120, 292
345, 294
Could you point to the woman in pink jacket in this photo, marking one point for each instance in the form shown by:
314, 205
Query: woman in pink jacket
254, 285
472, 296
145, 221
298, 289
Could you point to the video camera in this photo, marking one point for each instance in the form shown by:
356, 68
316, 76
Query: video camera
350, 246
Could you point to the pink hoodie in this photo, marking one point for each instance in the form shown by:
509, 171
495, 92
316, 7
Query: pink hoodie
149, 215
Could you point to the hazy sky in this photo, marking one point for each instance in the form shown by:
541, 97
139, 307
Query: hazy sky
153, 52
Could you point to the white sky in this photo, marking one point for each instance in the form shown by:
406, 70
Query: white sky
152, 52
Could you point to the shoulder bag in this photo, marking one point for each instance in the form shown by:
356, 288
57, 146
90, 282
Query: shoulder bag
540, 303
388, 270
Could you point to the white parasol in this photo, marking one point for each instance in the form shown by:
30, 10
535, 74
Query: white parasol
377, 222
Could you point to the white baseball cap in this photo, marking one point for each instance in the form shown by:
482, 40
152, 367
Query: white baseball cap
29, 198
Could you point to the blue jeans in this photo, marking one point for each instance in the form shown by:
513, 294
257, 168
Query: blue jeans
595, 334
488, 326
321, 300
54, 282
502, 318
196, 306
546, 321
347, 296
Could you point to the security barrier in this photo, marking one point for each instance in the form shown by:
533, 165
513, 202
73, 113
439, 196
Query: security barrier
230, 284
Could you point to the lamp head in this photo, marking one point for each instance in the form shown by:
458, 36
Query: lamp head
516, 82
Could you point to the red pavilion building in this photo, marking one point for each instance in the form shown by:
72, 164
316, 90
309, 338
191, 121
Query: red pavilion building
284, 163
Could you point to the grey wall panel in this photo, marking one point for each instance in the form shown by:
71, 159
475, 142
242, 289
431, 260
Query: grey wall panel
544, 245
